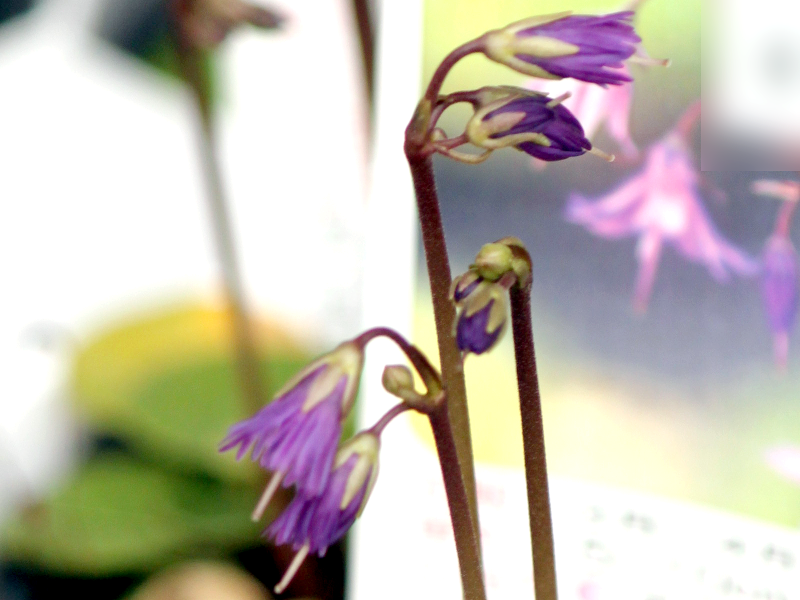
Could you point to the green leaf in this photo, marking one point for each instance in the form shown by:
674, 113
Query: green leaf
168, 387
120, 516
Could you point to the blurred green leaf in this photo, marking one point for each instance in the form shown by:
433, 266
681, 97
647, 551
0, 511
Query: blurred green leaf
167, 386
119, 516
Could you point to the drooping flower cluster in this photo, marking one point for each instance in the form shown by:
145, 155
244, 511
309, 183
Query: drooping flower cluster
591, 50
296, 438
661, 205
480, 294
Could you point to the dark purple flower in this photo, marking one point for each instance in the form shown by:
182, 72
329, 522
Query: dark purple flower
482, 319
589, 48
311, 524
296, 435
779, 270
531, 122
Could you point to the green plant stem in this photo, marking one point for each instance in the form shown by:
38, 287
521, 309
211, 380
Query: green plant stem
244, 344
530, 406
464, 528
444, 314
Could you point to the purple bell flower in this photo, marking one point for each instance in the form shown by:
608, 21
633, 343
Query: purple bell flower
779, 270
482, 319
588, 48
296, 435
311, 524
531, 122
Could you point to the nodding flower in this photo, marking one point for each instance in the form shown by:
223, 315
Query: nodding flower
310, 524
533, 123
588, 48
483, 317
296, 435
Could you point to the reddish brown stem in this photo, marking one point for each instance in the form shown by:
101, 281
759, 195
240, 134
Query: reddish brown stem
541, 525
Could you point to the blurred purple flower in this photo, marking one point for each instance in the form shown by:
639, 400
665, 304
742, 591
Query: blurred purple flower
296, 435
589, 48
662, 205
311, 524
779, 267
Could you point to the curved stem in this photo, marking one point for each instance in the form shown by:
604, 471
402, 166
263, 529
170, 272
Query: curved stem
397, 409
541, 525
246, 356
426, 370
464, 528
444, 315
435, 85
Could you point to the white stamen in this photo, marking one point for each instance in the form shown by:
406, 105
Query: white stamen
269, 492
601, 154
556, 101
647, 61
292, 570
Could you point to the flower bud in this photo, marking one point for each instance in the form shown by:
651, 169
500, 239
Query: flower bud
482, 319
493, 261
532, 123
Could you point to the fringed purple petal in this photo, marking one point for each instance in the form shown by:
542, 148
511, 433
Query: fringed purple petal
318, 521
285, 438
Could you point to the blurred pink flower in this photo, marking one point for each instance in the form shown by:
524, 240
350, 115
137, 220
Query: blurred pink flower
785, 460
595, 106
662, 205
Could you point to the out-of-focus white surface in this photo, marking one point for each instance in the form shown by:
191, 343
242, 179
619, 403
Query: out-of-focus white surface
751, 74
385, 534
104, 202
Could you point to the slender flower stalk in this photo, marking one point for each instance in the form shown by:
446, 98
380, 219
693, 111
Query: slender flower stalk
189, 50
444, 316
464, 527
530, 405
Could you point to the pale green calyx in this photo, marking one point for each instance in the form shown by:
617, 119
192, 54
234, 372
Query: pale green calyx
504, 45
366, 446
485, 131
492, 261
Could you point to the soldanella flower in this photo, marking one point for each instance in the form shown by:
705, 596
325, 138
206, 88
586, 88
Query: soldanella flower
589, 48
533, 123
310, 524
661, 205
482, 317
296, 435
780, 268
